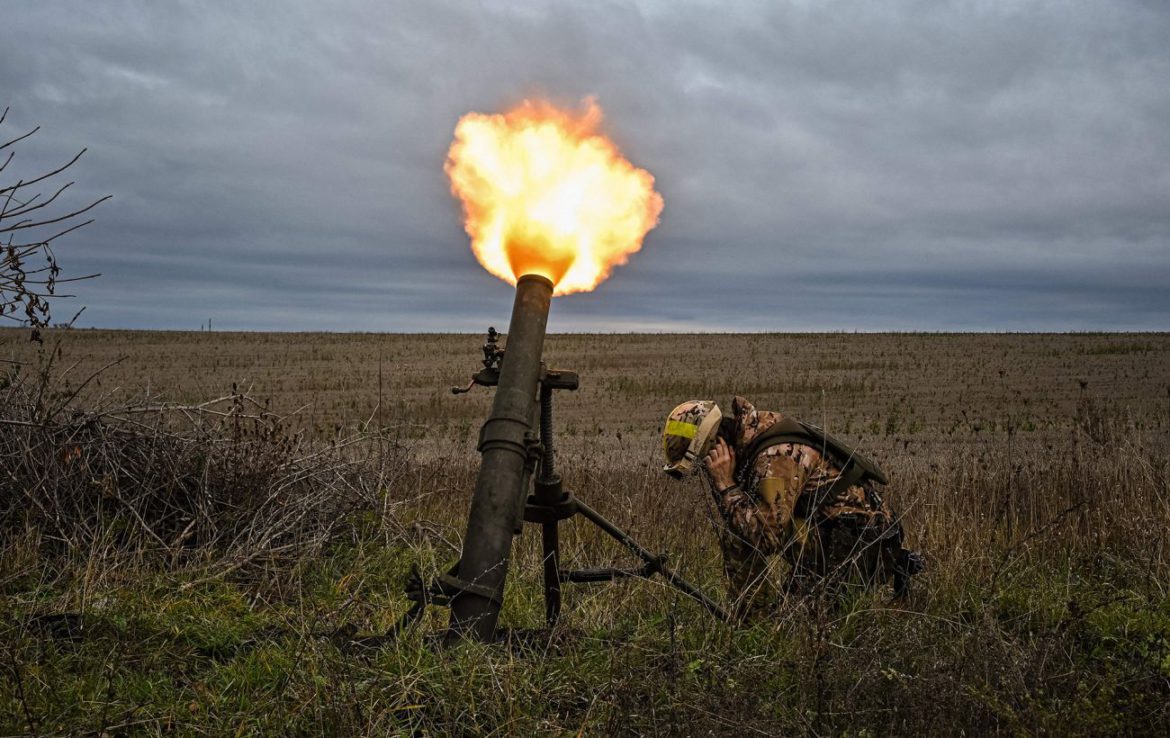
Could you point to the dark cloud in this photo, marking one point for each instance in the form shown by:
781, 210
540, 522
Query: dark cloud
837, 165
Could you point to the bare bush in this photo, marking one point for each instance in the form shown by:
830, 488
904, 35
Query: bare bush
220, 480
29, 273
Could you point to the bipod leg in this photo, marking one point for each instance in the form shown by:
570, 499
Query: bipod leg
653, 561
422, 593
409, 618
550, 543
548, 491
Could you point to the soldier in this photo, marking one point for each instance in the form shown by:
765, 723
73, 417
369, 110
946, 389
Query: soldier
785, 487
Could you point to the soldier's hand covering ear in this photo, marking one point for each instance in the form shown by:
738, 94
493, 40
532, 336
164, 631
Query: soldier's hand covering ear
721, 465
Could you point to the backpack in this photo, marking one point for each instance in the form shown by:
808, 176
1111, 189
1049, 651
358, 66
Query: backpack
902, 563
855, 468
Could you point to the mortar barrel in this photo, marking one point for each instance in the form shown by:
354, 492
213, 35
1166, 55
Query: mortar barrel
488, 540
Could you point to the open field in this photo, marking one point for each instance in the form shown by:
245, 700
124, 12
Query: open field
169, 569
871, 386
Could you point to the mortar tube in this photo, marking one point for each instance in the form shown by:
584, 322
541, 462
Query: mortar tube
488, 540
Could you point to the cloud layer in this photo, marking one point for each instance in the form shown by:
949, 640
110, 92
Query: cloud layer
837, 165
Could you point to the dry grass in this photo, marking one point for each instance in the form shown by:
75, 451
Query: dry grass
876, 385
1031, 469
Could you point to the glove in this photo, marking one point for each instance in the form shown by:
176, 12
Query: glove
906, 564
911, 562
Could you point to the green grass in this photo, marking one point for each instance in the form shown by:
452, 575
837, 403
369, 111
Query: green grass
1045, 609
1033, 652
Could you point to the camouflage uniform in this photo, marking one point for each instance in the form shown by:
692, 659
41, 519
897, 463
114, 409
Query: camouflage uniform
851, 539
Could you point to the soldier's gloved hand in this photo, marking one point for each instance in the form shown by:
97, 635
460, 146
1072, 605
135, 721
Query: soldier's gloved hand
911, 562
721, 465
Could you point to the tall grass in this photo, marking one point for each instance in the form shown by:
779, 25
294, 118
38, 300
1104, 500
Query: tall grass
214, 569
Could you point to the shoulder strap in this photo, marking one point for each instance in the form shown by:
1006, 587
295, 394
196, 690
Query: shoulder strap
790, 430
787, 430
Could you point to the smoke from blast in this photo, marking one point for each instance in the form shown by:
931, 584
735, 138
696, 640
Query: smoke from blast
545, 192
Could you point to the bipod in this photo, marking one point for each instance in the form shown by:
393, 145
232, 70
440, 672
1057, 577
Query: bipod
547, 505
550, 504
550, 516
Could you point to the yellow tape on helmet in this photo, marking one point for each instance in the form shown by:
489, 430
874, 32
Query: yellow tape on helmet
679, 428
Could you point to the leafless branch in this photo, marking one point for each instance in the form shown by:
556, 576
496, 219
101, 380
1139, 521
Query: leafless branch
18, 138
28, 182
21, 225
25, 289
28, 207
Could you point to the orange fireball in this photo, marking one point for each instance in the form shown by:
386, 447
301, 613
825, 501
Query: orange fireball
545, 192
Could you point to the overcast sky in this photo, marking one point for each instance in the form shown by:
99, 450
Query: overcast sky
825, 165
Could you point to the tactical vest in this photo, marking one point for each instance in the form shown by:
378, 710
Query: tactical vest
855, 468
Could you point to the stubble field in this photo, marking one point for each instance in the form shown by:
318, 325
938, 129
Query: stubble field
175, 566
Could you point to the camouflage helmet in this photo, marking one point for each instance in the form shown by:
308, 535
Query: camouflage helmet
690, 430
